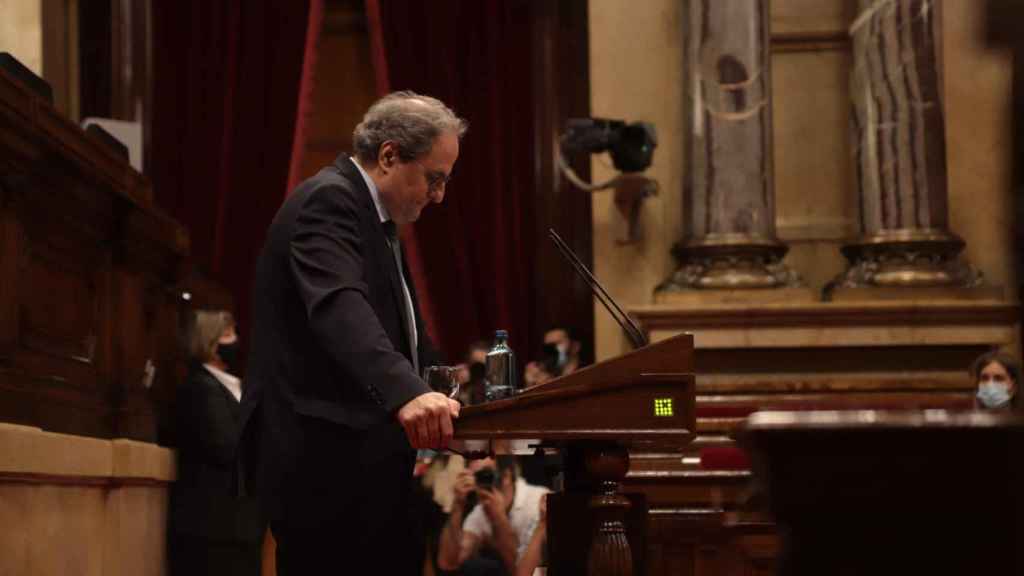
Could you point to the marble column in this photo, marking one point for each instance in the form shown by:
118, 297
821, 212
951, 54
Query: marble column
729, 198
900, 152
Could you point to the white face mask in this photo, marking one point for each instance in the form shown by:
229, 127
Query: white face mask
993, 394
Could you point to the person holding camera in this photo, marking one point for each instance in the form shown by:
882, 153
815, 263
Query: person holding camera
493, 538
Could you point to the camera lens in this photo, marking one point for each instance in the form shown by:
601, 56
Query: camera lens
485, 478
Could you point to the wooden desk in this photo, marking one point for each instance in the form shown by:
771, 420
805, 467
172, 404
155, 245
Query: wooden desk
870, 492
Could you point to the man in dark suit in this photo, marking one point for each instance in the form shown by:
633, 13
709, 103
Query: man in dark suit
334, 400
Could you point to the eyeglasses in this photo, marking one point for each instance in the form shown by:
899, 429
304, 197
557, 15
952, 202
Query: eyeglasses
435, 179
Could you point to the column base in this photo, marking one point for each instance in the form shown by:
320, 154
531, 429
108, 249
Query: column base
730, 261
906, 259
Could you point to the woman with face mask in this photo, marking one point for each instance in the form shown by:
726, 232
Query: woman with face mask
215, 528
995, 377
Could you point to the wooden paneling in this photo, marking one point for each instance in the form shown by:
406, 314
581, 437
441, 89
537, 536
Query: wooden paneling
698, 542
561, 90
90, 266
61, 321
10, 233
893, 493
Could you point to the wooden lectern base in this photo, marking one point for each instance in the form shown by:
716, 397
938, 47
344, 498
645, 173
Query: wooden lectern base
592, 515
570, 518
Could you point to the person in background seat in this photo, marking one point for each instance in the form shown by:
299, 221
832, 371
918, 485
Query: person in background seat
471, 374
560, 356
995, 376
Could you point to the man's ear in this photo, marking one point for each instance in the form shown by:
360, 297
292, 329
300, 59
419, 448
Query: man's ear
387, 156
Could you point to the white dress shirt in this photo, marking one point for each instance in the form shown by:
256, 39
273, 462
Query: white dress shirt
232, 383
382, 212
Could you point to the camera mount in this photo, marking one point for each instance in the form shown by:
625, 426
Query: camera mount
631, 147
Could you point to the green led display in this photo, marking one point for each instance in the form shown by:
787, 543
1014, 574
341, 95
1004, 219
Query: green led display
663, 407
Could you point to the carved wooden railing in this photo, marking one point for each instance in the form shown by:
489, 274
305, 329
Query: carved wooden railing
88, 308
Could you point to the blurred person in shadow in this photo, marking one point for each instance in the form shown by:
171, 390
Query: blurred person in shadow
493, 538
471, 374
559, 356
215, 527
995, 376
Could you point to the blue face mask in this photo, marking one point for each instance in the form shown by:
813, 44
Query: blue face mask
563, 355
993, 394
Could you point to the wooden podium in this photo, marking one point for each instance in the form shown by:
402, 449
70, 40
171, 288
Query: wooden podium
592, 417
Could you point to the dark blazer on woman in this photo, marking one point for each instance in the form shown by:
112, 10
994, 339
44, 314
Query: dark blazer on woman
215, 525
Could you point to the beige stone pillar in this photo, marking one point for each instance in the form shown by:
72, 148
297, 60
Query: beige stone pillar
729, 197
900, 152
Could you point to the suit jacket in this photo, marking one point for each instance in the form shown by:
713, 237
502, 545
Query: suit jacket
207, 499
329, 339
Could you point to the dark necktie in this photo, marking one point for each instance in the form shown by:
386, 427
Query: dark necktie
391, 231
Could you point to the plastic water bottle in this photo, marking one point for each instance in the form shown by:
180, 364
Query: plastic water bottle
500, 367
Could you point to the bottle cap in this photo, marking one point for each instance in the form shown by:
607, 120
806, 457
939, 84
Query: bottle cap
501, 334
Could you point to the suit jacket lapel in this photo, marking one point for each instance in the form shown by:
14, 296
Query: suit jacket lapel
380, 250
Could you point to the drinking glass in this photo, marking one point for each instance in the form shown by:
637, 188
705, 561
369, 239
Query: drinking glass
443, 379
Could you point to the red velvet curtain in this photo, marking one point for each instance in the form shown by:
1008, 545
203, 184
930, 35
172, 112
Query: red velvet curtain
226, 102
472, 253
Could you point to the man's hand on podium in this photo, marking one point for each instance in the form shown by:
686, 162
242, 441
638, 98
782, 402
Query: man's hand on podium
427, 420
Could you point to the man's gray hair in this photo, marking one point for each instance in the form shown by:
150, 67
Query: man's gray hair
410, 120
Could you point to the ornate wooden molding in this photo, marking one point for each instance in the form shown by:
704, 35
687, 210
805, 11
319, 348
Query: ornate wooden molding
825, 314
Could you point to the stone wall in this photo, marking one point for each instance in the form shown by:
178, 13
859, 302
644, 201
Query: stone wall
636, 59
72, 505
